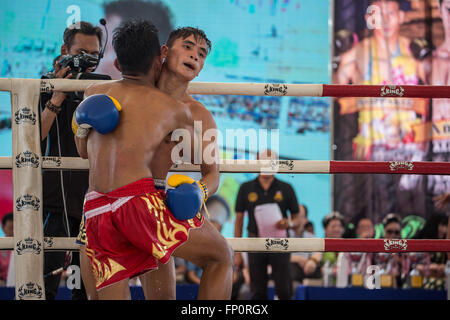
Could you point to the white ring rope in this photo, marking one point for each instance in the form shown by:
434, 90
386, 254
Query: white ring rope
286, 245
29, 243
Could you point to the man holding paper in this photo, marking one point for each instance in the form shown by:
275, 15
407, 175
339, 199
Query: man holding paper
267, 201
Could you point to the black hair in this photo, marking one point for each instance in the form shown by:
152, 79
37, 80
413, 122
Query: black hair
391, 217
136, 45
7, 217
155, 11
332, 216
82, 27
185, 32
362, 218
404, 5
308, 224
430, 229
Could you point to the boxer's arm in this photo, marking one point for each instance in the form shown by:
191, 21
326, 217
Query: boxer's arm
81, 147
238, 226
210, 158
81, 143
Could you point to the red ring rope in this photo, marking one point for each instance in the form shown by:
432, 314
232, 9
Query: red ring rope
386, 245
390, 167
409, 91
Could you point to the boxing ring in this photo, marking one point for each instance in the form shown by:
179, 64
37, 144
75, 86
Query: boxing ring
27, 164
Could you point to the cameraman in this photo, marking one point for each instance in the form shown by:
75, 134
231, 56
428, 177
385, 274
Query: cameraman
63, 191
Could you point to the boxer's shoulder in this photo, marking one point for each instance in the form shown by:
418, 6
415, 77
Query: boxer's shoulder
201, 113
100, 88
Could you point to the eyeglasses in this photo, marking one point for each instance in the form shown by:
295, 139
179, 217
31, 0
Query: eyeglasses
390, 231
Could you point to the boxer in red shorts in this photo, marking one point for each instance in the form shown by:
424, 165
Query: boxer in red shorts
128, 227
190, 46
185, 45
130, 230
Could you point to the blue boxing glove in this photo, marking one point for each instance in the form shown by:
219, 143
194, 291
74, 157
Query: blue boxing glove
187, 197
98, 111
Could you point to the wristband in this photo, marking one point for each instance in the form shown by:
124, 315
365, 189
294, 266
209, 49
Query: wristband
50, 106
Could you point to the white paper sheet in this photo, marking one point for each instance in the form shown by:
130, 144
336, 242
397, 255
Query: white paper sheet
267, 215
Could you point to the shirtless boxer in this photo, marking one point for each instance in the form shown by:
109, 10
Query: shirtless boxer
216, 257
185, 54
124, 212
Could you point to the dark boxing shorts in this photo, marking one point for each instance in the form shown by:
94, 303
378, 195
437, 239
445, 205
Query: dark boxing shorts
130, 229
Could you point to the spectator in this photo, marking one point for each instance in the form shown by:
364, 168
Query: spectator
193, 273
63, 191
442, 202
352, 266
219, 210
431, 265
5, 255
218, 213
267, 201
365, 228
180, 270
392, 226
304, 265
333, 225
390, 263
216, 207
309, 226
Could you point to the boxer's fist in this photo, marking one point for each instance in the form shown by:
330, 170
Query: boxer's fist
98, 111
187, 197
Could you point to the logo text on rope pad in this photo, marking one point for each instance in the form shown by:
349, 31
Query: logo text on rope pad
28, 245
275, 89
47, 86
283, 164
27, 201
274, 243
25, 115
27, 159
392, 244
30, 290
392, 91
52, 161
397, 165
48, 241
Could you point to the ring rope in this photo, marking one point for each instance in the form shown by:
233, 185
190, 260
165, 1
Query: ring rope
265, 89
278, 166
288, 245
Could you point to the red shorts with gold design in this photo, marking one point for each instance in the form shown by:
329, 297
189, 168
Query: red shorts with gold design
130, 229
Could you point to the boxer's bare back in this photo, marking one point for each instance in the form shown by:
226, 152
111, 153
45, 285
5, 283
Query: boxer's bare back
147, 117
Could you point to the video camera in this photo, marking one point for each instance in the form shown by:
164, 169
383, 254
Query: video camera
78, 65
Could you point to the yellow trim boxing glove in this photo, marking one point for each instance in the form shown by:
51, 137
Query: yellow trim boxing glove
177, 179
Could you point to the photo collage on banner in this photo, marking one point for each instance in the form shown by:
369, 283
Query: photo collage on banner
398, 43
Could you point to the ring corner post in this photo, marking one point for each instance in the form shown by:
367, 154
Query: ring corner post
27, 181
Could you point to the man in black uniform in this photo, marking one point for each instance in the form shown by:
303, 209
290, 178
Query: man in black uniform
63, 191
267, 200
